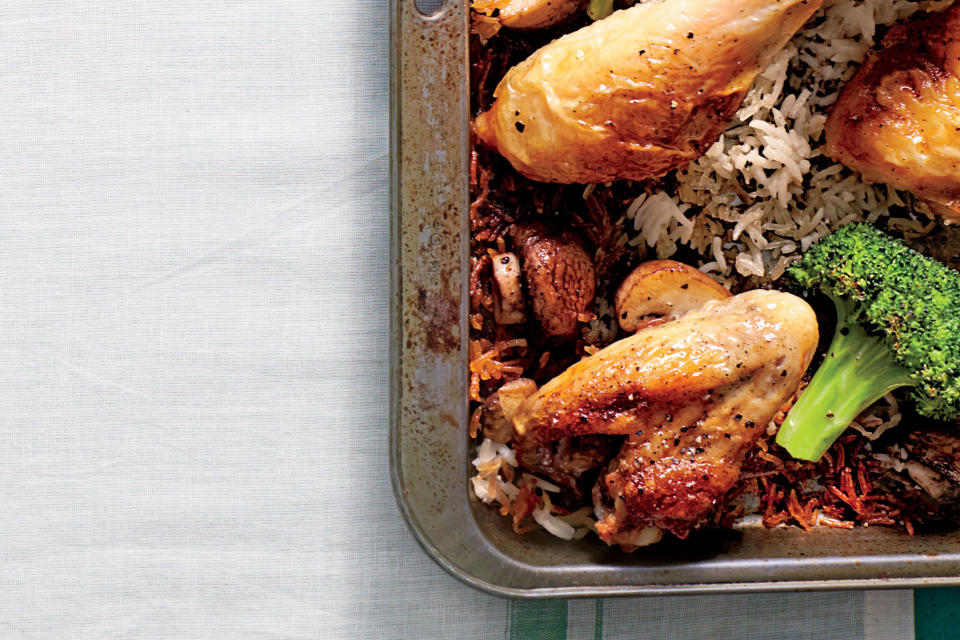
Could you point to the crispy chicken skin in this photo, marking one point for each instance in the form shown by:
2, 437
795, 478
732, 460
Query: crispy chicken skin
639, 93
898, 119
692, 395
529, 14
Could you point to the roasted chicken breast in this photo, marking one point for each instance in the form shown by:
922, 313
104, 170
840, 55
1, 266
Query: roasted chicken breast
692, 395
639, 93
528, 14
898, 119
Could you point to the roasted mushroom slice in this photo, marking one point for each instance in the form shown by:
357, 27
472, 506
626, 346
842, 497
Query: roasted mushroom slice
663, 290
492, 423
508, 296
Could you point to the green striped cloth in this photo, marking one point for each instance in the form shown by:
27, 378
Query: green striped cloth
549, 619
936, 613
928, 614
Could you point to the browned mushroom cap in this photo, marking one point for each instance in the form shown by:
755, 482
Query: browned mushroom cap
560, 277
663, 289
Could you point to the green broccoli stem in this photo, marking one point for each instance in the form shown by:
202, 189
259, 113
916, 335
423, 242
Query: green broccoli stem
858, 370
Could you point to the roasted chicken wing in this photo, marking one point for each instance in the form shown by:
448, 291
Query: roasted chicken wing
898, 119
692, 395
639, 93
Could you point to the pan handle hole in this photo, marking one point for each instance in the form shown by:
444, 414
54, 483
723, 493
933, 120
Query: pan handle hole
428, 7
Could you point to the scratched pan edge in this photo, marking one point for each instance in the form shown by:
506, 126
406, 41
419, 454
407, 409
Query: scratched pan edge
429, 455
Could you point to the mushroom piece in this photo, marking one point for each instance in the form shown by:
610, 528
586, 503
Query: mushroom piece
936, 462
560, 277
935, 484
508, 298
567, 461
661, 290
529, 14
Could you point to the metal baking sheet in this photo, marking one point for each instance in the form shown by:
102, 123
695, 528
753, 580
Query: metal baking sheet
429, 443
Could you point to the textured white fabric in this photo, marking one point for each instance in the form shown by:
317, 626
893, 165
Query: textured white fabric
193, 343
887, 615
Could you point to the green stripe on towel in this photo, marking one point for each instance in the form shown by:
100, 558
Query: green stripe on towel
537, 620
936, 613
598, 620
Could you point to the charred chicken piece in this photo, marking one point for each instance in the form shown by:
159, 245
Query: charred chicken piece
692, 395
566, 460
897, 120
639, 93
560, 278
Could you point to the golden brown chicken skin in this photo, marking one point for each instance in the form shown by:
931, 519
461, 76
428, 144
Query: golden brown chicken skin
639, 93
692, 395
898, 119
529, 14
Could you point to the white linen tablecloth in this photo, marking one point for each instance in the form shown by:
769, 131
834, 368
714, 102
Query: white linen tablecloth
194, 344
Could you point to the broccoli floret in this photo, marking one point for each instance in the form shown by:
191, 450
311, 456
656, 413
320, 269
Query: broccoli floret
898, 325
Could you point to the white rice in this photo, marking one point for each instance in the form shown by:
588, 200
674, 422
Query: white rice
488, 451
603, 327
879, 418
570, 527
551, 523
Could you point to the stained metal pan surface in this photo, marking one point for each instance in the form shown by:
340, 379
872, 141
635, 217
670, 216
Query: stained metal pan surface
429, 445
